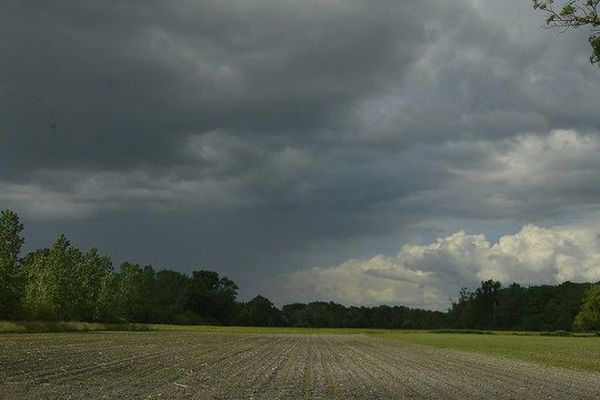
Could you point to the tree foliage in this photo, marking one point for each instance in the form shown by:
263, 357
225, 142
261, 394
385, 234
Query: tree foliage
64, 283
212, 297
537, 308
588, 319
574, 14
10, 274
260, 312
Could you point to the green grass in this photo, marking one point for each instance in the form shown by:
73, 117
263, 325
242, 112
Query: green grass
264, 330
42, 326
576, 352
567, 352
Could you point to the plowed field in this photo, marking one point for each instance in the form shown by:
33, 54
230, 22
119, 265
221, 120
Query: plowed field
191, 365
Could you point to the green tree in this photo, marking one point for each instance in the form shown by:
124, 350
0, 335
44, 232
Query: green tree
294, 314
487, 295
574, 14
261, 312
38, 297
64, 262
63, 283
94, 268
108, 306
170, 289
212, 298
10, 275
135, 295
54, 282
588, 318
510, 306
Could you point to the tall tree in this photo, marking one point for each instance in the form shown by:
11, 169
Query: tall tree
169, 297
55, 279
93, 269
135, 294
108, 306
212, 297
64, 262
10, 274
574, 14
261, 312
488, 296
37, 300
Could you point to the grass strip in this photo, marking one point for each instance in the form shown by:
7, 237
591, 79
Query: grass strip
574, 352
45, 327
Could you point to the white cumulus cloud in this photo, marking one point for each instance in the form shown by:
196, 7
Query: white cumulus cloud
430, 275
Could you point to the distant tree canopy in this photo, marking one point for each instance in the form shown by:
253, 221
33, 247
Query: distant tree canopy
588, 318
574, 14
537, 308
65, 283
260, 312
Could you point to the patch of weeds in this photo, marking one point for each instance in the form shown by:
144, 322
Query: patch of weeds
66, 326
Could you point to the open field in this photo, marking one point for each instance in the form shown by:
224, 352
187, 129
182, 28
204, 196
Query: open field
576, 352
187, 364
567, 352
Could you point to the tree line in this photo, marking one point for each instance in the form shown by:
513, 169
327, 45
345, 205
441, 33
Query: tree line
63, 283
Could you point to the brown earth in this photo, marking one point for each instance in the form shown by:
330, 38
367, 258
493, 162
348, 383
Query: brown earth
188, 365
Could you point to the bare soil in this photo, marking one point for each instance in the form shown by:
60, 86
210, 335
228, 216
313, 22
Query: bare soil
189, 365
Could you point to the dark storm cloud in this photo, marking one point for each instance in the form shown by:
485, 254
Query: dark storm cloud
116, 84
258, 137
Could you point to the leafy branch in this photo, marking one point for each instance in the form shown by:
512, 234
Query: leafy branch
574, 14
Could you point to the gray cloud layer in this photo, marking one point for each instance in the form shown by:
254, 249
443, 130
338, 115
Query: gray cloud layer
264, 137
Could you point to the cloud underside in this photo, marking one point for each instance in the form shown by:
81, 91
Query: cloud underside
264, 137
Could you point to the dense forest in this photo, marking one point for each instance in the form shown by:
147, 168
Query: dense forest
63, 283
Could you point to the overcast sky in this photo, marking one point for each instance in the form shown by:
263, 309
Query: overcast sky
363, 152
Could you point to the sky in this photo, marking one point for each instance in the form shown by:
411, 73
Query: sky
386, 152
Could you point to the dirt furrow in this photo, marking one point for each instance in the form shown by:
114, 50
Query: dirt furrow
138, 365
177, 365
232, 380
408, 367
285, 384
184, 371
469, 375
95, 354
351, 381
203, 373
403, 382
